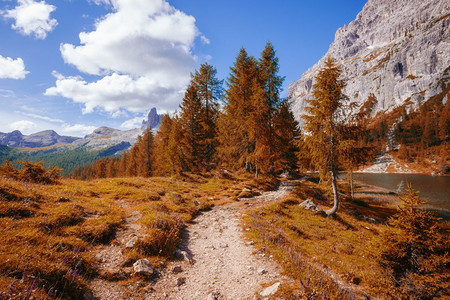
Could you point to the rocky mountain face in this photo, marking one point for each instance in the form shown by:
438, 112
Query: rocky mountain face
153, 120
397, 50
36, 140
104, 137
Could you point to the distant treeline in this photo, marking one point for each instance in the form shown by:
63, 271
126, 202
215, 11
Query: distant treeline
68, 160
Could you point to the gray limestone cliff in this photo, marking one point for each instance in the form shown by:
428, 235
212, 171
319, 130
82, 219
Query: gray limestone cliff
153, 120
397, 50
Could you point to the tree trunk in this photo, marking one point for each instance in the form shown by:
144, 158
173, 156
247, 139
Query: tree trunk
351, 185
335, 207
256, 171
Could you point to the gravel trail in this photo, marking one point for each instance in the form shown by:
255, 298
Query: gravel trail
220, 264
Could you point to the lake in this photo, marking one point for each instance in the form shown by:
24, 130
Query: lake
435, 189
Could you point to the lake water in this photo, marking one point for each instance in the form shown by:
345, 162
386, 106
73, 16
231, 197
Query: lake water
434, 189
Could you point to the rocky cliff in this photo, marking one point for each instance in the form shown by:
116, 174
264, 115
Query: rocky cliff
153, 120
397, 50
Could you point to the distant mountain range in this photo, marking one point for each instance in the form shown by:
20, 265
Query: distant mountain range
101, 138
69, 152
39, 139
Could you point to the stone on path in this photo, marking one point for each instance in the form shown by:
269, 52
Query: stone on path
143, 267
132, 242
269, 291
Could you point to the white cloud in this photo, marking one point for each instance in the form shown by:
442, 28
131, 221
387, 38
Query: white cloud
32, 18
22, 125
132, 123
44, 118
100, 2
142, 50
77, 129
205, 40
12, 68
115, 91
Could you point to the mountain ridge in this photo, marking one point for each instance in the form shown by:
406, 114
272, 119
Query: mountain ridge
382, 53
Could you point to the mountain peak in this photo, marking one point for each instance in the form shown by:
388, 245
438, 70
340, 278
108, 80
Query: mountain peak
153, 120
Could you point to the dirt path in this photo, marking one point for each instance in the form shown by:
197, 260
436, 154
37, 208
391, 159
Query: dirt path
111, 262
218, 264
223, 265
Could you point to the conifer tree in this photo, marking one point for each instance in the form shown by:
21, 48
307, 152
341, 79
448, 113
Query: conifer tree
144, 154
191, 128
259, 127
234, 144
271, 83
161, 159
321, 124
175, 151
209, 92
413, 250
286, 132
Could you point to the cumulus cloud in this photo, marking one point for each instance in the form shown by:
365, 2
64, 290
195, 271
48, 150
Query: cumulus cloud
132, 123
77, 129
141, 51
22, 125
32, 18
12, 68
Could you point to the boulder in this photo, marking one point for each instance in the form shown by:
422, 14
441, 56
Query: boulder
143, 267
308, 204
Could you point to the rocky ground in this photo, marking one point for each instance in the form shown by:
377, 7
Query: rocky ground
215, 261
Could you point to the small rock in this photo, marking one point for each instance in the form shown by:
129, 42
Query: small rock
180, 281
223, 245
251, 243
177, 269
180, 254
132, 242
197, 203
251, 268
213, 296
269, 291
308, 204
143, 267
262, 271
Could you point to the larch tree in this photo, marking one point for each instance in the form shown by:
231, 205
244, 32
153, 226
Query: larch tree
191, 128
271, 83
260, 138
175, 151
161, 160
322, 121
286, 132
209, 91
233, 135
414, 251
144, 154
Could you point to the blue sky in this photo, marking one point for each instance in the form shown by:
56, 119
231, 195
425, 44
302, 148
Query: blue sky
75, 65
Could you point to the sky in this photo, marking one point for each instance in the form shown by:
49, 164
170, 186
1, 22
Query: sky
75, 65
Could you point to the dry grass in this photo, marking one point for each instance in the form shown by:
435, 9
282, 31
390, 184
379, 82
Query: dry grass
49, 232
329, 257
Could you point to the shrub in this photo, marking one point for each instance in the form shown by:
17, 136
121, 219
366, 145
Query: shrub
30, 171
413, 250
